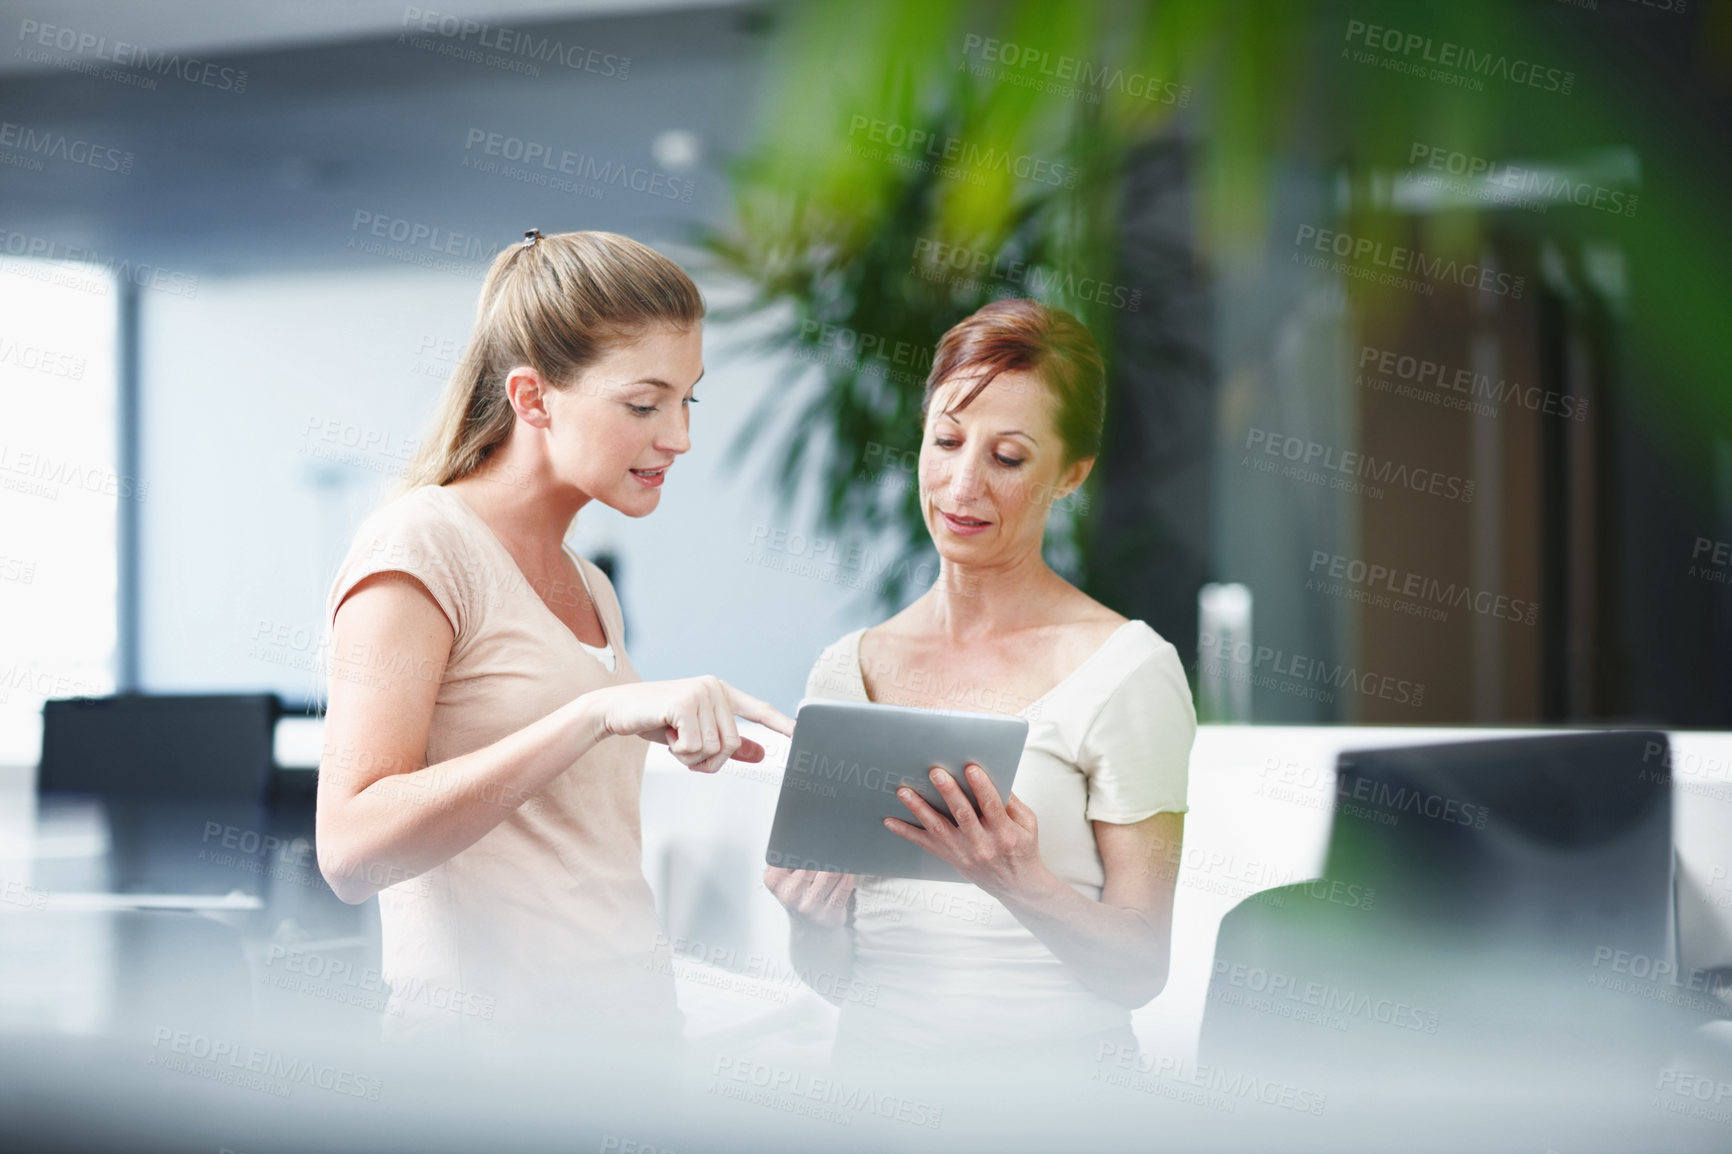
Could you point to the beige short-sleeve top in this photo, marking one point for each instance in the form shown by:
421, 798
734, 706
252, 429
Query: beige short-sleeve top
546, 924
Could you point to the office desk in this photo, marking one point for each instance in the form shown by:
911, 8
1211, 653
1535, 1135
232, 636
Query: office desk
1260, 800
1259, 818
1260, 811
115, 909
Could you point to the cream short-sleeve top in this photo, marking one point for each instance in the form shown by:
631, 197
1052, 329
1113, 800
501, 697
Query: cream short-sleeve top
946, 965
546, 924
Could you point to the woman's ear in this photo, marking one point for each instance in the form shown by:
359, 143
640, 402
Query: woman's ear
528, 396
1073, 477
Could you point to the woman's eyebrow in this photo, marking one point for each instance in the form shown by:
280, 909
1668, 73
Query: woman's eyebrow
1032, 439
661, 384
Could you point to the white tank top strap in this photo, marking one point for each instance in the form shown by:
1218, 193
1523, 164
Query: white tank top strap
604, 654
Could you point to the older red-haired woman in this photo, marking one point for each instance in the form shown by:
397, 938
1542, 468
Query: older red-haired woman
1063, 925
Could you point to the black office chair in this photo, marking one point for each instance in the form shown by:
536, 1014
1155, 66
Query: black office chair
180, 784
174, 775
1481, 902
210, 747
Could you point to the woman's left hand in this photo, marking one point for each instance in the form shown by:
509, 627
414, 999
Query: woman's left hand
997, 847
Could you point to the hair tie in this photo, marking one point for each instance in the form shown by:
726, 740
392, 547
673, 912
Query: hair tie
530, 237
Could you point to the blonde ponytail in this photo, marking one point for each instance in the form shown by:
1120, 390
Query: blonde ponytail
557, 304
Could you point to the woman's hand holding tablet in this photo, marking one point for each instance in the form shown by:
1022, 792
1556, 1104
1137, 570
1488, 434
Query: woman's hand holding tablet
996, 846
820, 898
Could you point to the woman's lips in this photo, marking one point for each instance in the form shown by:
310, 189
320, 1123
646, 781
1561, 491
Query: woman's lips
965, 526
650, 478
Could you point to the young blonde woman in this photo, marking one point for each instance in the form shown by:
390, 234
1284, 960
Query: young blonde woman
1063, 925
485, 735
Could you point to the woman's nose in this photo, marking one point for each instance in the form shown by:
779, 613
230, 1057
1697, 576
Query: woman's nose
965, 478
676, 436
962, 486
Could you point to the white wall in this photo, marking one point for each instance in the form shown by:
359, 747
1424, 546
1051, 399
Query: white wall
249, 515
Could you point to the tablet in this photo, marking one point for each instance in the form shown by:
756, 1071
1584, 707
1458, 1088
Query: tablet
847, 760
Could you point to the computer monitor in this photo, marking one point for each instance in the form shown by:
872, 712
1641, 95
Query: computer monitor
1482, 906
1555, 844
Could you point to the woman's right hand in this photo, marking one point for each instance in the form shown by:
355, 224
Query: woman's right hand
820, 898
694, 718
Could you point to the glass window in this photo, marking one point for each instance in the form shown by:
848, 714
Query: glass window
60, 490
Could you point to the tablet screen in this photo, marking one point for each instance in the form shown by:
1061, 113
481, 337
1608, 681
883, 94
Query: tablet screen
847, 760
